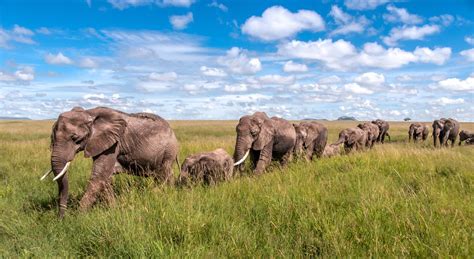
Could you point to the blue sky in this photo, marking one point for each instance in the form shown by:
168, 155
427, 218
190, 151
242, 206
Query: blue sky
196, 59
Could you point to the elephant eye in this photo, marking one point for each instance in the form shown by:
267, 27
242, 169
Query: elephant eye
254, 132
75, 138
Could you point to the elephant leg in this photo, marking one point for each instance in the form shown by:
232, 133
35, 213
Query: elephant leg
168, 176
264, 158
109, 195
286, 158
254, 157
63, 185
309, 152
102, 171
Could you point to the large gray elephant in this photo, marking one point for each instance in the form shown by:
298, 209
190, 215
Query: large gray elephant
383, 127
449, 132
372, 131
142, 144
353, 139
437, 126
418, 131
265, 139
311, 138
467, 136
207, 167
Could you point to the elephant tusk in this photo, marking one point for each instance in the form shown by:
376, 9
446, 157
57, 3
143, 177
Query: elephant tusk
243, 159
62, 172
46, 174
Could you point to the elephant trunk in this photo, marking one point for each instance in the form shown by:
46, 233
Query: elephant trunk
340, 140
240, 151
60, 160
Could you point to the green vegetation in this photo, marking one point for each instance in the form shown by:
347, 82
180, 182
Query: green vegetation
398, 199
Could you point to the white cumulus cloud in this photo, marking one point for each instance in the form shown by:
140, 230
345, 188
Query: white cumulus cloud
370, 79
448, 101
58, 59
88, 62
436, 56
409, 33
212, 71
357, 89
342, 55
364, 4
180, 22
235, 88
237, 61
25, 74
277, 23
401, 15
276, 79
468, 54
291, 67
347, 23
457, 84
168, 76
469, 40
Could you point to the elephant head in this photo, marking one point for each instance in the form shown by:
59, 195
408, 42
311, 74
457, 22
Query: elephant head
303, 138
92, 131
449, 125
253, 132
348, 136
438, 126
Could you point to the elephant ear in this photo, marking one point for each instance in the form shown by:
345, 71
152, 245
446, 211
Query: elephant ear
265, 135
309, 137
352, 137
106, 130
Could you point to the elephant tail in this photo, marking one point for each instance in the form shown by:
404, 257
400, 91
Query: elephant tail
177, 163
388, 136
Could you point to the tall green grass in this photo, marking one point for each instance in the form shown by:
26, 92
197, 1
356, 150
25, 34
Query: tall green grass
397, 199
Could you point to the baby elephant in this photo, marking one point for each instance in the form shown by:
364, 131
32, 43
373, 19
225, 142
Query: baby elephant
207, 167
331, 150
467, 136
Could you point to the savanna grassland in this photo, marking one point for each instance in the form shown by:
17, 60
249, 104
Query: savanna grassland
397, 199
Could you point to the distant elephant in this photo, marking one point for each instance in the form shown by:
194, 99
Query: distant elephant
311, 138
208, 167
141, 143
418, 131
450, 132
467, 136
444, 130
372, 131
353, 139
265, 139
331, 150
383, 127
437, 126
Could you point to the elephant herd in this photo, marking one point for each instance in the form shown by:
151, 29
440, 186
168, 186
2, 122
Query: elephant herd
144, 144
444, 130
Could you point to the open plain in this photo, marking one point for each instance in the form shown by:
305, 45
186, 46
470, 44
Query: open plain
398, 199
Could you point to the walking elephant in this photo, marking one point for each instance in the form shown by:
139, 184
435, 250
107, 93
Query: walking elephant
444, 130
449, 132
467, 136
353, 139
141, 143
383, 128
207, 167
372, 131
418, 131
264, 139
311, 138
